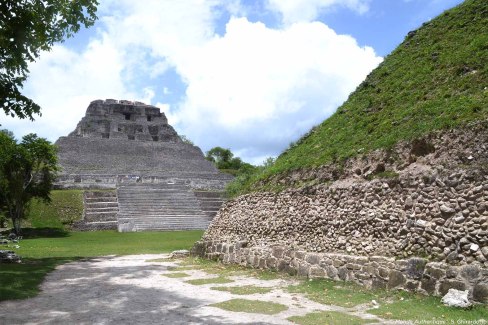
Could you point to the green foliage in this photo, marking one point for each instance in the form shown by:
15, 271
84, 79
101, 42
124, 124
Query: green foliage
26, 29
27, 171
42, 254
436, 79
225, 161
251, 306
329, 318
66, 206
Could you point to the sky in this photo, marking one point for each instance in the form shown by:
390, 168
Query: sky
248, 75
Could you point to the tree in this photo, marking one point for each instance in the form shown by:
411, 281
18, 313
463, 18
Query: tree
27, 171
220, 157
224, 160
28, 27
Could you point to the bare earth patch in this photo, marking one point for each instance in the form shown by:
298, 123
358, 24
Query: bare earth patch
131, 290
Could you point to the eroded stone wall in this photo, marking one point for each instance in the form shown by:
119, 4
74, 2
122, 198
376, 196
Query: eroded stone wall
422, 200
376, 272
441, 218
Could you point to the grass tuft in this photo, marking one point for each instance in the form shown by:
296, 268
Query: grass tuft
329, 318
243, 290
216, 280
251, 306
176, 275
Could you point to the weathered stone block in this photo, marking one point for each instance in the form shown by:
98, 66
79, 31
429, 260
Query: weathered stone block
271, 262
352, 266
331, 271
395, 279
277, 251
411, 285
451, 284
378, 284
312, 258
316, 272
415, 268
470, 272
428, 284
300, 255
303, 269
383, 272
342, 273
435, 272
480, 292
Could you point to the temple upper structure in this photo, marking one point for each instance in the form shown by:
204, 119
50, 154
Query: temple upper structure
123, 119
119, 141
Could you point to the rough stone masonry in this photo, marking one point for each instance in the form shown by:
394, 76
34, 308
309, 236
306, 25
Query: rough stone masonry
414, 217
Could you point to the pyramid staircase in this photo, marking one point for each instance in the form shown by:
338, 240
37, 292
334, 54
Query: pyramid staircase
164, 206
100, 211
210, 201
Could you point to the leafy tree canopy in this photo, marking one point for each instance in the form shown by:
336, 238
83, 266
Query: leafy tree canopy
224, 160
28, 27
27, 171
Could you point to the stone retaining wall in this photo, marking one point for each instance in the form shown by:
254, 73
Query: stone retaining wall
440, 218
421, 203
376, 272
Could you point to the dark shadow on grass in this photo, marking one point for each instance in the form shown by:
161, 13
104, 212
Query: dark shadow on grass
22, 280
86, 292
31, 233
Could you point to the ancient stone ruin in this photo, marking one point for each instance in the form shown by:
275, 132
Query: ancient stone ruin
403, 218
152, 180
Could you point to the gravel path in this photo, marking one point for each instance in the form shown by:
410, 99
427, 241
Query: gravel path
130, 290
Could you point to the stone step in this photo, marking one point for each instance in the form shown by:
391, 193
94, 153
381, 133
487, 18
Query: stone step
100, 194
100, 199
105, 209
159, 216
94, 205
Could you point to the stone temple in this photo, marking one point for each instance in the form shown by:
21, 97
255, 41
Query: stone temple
136, 171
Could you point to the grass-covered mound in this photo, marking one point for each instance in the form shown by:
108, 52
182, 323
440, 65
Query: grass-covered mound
66, 207
436, 79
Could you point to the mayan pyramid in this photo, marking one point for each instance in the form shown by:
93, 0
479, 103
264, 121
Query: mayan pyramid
130, 147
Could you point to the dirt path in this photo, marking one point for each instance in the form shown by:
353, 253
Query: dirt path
130, 290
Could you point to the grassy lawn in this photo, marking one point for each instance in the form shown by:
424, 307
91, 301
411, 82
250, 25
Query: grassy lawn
393, 304
329, 318
46, 248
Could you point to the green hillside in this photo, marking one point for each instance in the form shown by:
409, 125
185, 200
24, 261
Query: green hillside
436, 79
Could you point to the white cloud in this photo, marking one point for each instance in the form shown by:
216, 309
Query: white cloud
254, 89
307, 10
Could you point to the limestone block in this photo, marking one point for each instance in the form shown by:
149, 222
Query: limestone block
316, 272
451, 284
480, 292
395, 279
456, 298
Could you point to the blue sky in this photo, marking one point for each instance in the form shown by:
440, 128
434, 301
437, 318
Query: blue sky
249, 75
